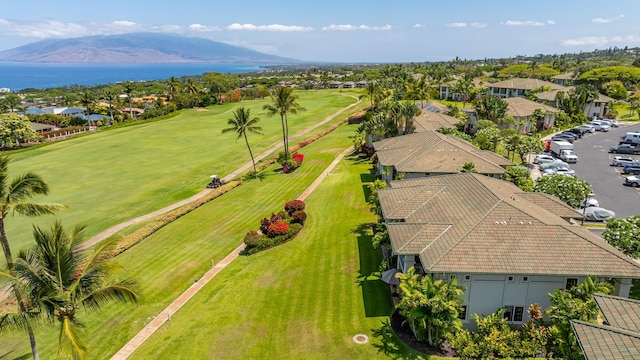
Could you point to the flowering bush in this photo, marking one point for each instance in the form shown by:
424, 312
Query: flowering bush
297, 158
294, 205
299, 217
277, 228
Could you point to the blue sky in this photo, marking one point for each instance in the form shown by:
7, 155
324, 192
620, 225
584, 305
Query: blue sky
344, 31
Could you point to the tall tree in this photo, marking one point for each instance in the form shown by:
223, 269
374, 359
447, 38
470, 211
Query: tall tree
173, 87
14, 199
241, 124
129, 89
61, 280
284, 103
13, 102
87, 99
110, 96
407, 112
570, 190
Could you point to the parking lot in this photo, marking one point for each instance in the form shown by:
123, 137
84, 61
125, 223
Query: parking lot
606, 181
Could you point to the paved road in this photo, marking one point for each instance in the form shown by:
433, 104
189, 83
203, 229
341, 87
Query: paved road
606, 181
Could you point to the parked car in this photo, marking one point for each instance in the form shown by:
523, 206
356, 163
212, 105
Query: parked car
559, 137
553, 165
575, 131
589, 127
590, 202
625, 149
581, 130
613, 122
622, 161
559, 171
633, 181
600, 126
596, 213
570, 134
633, 169
543, 158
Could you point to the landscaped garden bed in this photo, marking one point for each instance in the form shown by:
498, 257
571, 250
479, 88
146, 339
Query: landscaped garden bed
277, 229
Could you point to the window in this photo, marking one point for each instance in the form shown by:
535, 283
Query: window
467, 278
518, 313
511, 278
571, 283
514, 313
525, 279
462, 313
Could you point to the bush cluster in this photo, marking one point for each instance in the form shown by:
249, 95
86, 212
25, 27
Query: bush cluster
277, 228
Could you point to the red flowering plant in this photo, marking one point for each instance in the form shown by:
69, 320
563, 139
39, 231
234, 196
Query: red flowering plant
294, 205
277, 228
297, 158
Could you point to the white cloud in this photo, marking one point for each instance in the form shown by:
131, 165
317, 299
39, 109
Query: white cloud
416, 26
551, 22
600, 20
272, 27
346, 27
202, 28
522, 23
602, 40
478, 25
457, 24
124, 23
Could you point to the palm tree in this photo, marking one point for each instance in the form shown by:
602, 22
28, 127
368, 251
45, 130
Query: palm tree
241, 124
110, 96
407, 112
284, 102
129, 89
533, 65
86, 99
468, 167
373, 89
14, 199
60, 280
13, 102
172, 87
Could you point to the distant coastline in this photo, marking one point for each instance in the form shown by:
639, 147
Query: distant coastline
21, 75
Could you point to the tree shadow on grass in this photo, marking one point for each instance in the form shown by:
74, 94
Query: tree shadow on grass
11, 355
366, 179
376, 295
391, 346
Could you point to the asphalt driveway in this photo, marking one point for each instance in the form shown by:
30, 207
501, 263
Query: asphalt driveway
606, 181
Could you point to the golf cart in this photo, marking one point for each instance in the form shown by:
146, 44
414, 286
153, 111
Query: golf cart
215, 182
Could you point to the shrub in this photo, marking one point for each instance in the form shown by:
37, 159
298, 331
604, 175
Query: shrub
252, 238
299, 217
294, 205
297, 158
277, 228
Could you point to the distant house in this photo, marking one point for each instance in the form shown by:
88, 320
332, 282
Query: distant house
57, 110
509, 248
523, 111
38, 127
566, 79
432, 121
361, 84
594, 109
434, 106
447, 93
518, 87
432, 153
618, 337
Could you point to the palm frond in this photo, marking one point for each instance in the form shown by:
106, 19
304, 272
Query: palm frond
125, 291
33, 210
69, 341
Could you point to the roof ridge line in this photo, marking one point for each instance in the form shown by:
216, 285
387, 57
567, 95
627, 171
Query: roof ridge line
608, 328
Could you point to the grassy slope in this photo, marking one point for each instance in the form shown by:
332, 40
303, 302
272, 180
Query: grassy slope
301, 300
116, 175
169, 261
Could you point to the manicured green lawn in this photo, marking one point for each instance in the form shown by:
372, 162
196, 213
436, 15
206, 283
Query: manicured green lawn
302, 300
167, 263
116, 175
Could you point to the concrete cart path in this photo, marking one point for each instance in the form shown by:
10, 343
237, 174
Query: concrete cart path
165, 315
114, 229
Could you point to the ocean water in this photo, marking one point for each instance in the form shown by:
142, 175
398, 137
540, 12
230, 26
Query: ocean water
17, 76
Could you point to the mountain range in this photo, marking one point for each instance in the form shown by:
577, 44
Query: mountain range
137, 48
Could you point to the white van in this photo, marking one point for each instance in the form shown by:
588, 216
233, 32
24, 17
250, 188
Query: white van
631, 138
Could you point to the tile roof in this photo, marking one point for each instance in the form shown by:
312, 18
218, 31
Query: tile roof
433, 152
523, 84
521, 107
606, 342
431, 121
619, 312
477, 224
551, 95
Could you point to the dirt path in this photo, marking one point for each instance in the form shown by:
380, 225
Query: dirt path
165, 315
114, 229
